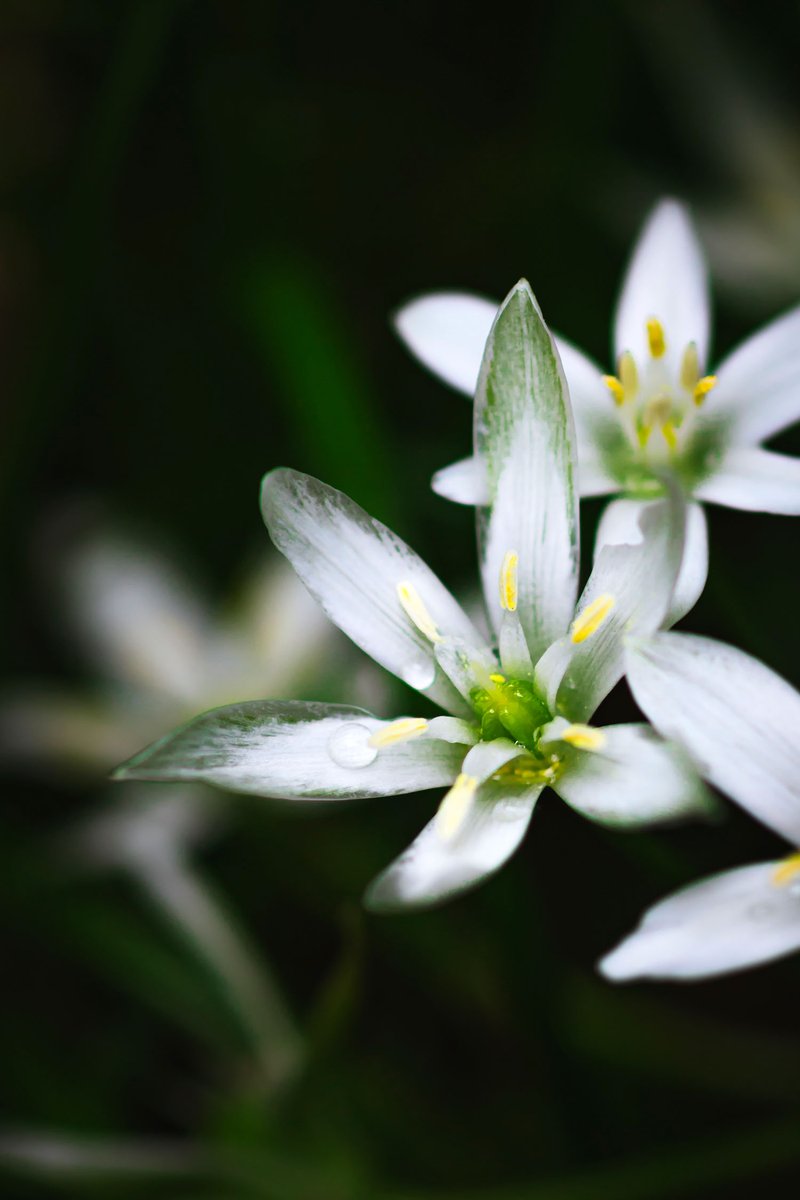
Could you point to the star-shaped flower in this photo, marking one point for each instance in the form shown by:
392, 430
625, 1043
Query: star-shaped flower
739, 721
515, 712
661, 410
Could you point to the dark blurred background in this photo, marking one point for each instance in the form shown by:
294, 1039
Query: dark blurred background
209, 210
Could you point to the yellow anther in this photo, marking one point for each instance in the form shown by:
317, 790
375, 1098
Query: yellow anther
690, 368
616, 388
655, 338
703, 387
592, 617
454, 807
670, 434
584, 737
416, 611
398, 731
497, 678
508, 581
786, 871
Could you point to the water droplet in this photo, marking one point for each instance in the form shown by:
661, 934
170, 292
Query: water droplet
794, 888
760, 911
349, 746
419, 673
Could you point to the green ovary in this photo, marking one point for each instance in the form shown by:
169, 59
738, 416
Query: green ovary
511, 708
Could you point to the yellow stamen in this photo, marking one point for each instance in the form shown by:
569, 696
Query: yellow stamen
398, 731
584, 737
416, 611
703, 387
690, 368
592, 617
508, 581
497, 678
629, 376
454, 807
616, 388
655, 338
670, 434
786, 871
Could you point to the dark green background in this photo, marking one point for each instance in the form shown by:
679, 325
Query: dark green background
208, 211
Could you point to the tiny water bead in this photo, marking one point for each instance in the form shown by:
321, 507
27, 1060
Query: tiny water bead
657, 405
351, 746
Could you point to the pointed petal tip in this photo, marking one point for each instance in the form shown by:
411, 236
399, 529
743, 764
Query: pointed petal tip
612, 966
402, 317
275, 475
136, 766
522, 288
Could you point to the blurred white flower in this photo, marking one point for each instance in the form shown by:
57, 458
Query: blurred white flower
739, 722
516, 717
159, 654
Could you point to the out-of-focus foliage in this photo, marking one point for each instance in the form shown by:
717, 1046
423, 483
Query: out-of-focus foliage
208, 210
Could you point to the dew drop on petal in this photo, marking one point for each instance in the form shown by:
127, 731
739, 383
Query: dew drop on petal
349, 746
419, 673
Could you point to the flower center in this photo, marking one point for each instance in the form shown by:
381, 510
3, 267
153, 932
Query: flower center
657, 401
510, 708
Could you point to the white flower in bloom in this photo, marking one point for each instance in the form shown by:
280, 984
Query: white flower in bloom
739, 721
661, 409
515, 716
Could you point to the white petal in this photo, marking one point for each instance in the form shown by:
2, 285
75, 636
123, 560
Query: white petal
733, 920
755, 480
759, 383
637, 582
463, 481
666, 279
524, 433
353, 565
447, 332
634, 779
434, 868
294, 750
139, 620
620, 523
737, 719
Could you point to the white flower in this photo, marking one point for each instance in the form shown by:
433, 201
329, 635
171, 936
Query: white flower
740, 722
159, 652
660, 410
515, 717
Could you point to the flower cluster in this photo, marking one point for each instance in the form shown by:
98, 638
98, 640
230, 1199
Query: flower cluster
661, 432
